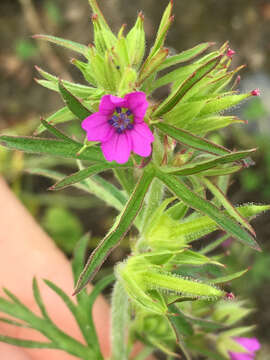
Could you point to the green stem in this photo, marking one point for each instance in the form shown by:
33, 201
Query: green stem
124, 179
119, 322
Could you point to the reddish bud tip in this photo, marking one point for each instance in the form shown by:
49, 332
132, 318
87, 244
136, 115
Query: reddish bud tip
230, 296
94, 17
255, 92
230, 53
141, 15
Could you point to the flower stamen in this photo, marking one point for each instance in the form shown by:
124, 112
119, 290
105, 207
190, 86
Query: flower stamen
121, 120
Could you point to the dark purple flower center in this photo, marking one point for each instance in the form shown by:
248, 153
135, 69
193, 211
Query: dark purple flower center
121, 120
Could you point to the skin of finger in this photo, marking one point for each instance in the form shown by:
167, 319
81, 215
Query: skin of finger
26, 251
12, 352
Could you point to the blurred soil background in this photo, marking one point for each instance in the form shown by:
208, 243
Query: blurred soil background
245, 23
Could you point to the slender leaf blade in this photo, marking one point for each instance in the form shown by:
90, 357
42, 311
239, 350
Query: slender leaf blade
118, 231
84, 174
193, 141
72, 45
196, 202
195, 168
74, 104
51, 147
185, 55
227, 278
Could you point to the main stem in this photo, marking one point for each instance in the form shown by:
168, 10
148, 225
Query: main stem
119, 322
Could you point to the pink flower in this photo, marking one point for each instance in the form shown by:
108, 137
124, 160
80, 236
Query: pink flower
120, 127
230, 53
256, 92
251, 345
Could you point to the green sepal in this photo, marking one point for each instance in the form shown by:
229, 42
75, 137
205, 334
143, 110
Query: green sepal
126, 84
222, 103
103, 37
86, 70
136, 42
206, 124
151, 64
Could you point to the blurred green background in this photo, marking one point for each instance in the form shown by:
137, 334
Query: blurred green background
68, 214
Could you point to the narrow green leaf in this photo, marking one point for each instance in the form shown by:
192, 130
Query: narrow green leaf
180, 92
82, 49
39, 300
55, 131
223, 170
14, 323
118, 231
176, 76
99, 287
196, 202
186, 55
195, 168
70, 304
51, 147
190, 140
96, 185
227, 278
60, 116
74, 104
27, 343
227, 205
51, 81
83, 174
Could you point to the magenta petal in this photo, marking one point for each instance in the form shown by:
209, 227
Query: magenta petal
117, 148
97, 127
142, 138
251, 344
94, 120
138, 104
108, 104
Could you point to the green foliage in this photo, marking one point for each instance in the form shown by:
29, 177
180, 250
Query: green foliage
166, 282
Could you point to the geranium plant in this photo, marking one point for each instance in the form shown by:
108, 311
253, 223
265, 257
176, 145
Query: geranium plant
172, 189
